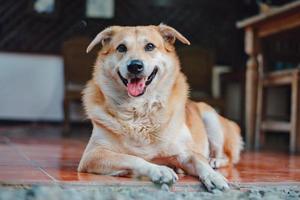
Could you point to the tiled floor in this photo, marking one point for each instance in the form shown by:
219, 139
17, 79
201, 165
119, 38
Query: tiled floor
39, 155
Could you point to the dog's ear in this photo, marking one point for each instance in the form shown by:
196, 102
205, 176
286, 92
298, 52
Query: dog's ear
103, 37
170, 34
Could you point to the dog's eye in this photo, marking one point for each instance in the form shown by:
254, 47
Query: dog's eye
122, 48
149, 47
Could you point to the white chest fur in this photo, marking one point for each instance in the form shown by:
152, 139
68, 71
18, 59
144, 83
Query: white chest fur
169, 138
141, 121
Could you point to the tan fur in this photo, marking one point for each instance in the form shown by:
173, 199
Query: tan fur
197, 129
139, 134
232, 135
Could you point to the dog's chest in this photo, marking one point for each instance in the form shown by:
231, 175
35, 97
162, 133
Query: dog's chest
141, 123
163, 148
142, 127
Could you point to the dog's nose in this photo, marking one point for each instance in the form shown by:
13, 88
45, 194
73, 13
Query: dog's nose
135, 67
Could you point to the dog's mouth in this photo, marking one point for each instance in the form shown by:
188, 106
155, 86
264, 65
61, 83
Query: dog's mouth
137, 86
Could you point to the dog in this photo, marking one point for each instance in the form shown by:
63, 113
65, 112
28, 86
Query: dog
143, 121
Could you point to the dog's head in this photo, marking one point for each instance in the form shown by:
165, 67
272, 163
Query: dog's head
136, 59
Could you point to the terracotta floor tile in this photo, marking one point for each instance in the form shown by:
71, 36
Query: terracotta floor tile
22, 174
70, 174
21, 158
10, 157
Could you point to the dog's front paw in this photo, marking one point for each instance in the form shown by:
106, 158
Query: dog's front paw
214, 180
162, 175
216, 163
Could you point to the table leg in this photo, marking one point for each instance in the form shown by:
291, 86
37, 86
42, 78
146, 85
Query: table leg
251, 48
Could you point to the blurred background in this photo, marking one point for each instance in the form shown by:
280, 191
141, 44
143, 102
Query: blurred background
43, 64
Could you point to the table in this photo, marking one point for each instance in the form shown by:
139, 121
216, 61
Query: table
284, 18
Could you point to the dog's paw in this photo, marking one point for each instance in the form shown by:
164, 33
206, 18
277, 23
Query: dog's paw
216, 163
162, 175
214, 180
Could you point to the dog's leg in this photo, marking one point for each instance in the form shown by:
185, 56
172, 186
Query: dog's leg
214, 131
102, 161
215, 134
224, 137
197, 165
99, 116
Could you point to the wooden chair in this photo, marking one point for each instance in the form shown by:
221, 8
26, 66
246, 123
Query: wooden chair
274, 79
197, 64
77, 71
281, 23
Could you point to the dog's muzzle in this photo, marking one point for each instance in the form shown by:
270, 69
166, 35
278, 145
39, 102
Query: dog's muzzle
137, 86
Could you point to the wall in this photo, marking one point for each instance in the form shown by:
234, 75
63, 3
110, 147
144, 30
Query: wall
209, 24
31, 86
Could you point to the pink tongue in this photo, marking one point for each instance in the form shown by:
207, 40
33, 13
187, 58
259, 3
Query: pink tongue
136, 87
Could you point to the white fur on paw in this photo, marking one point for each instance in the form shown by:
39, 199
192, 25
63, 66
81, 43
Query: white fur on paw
214, 163
162, 174
214, 180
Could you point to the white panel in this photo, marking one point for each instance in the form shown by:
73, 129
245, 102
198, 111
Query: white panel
31, 87
217, 71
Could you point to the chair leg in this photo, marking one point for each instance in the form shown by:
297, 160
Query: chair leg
259, 134
295, 100
66, 128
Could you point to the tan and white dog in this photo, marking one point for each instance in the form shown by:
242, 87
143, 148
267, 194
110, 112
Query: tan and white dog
142, 119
